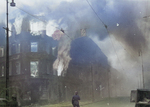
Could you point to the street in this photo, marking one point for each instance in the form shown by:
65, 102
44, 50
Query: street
112, 102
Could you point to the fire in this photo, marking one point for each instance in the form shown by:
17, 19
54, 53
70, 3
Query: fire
57, 35
63, 57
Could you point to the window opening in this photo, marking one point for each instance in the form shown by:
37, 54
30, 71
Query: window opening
34, 68
34, 46
17, 67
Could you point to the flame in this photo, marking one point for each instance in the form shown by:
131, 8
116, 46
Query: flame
57, 35
63, 57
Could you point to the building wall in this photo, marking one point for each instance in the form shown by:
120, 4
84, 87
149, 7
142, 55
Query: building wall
32, 79
24, 59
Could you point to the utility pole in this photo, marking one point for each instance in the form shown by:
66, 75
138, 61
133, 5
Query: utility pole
7, 54
7, 50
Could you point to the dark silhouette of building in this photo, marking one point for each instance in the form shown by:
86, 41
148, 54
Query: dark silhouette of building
88, 70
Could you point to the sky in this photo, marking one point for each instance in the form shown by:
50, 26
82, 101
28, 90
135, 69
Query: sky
125, 41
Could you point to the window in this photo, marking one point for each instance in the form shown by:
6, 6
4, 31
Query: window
34, 68
54, 72
17, 67
54, 49
18, 48
10, 68
14, 48
48, 48
34, 46
1, 51
2, 68
48, 68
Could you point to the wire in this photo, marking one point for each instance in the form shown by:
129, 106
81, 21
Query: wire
31, 15
37, 18
103, 22
97, 14
106, 30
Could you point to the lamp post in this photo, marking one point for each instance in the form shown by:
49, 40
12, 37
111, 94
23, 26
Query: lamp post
7, 49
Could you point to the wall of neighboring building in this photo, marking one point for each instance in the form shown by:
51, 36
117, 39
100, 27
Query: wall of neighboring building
90, 80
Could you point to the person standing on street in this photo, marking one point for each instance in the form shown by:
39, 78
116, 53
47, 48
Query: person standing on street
75, 100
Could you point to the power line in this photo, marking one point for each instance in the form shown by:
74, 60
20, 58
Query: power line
32, 15
106, 30
102, 21
38, 18
97, 14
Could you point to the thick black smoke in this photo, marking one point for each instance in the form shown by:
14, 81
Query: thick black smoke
128, 31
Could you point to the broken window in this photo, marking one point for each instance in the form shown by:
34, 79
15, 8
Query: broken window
2, 70
54, 72
34, 68
49, 68
17, 67
48, 48
1, 51
10, 68
14, 48
18, 48
54, 51
34, 46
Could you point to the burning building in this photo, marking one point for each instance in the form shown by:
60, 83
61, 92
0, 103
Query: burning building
31, 77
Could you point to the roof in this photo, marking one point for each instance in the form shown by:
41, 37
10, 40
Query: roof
85, 51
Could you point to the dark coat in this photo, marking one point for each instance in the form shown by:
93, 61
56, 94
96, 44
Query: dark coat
75, 100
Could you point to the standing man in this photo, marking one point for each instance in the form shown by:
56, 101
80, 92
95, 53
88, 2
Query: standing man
75, 100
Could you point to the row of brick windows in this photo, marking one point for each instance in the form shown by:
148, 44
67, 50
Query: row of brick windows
15, 48
15, 69
34, 47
